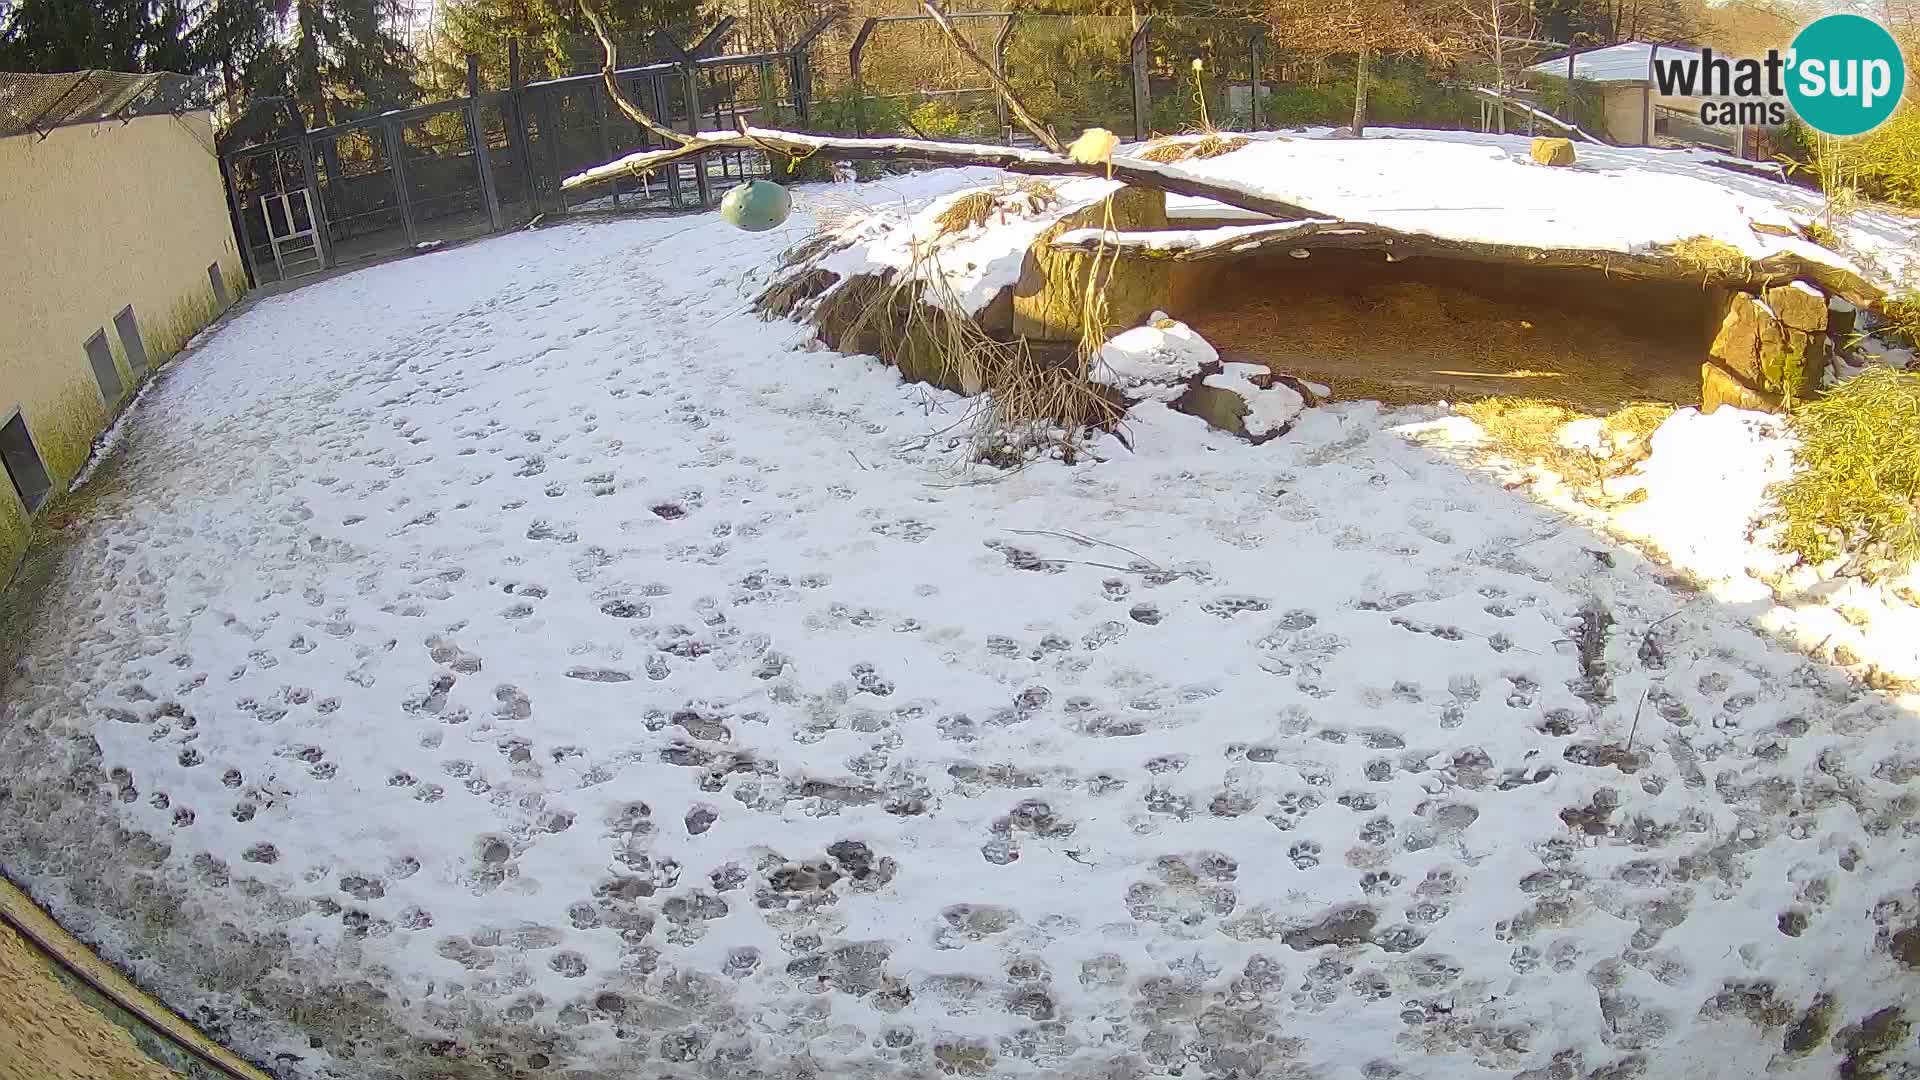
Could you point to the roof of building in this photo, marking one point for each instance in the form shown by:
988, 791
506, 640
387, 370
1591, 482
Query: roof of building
1627, 62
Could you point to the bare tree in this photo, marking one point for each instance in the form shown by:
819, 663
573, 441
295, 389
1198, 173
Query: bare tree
1366, 28
1488, 28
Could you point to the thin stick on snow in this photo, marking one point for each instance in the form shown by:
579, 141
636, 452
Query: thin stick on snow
634, 112
1636, 717
1084, 541
1040, 131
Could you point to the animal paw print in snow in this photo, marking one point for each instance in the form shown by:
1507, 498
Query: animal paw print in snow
869, 681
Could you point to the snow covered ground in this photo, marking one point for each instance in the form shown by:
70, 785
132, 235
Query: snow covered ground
519, 657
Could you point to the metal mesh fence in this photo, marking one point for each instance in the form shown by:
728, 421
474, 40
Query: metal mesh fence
40, 103
465, 165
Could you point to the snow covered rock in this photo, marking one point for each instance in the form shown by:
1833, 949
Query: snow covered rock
1155, 362
1244, 399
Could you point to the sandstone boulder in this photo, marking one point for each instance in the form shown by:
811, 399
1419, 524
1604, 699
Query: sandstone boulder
1052, 290
1547, 150
1798, 306
1757, 348
1720, 387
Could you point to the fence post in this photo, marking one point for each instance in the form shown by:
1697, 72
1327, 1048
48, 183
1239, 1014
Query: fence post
1646, 98
1259, 39
796, 86
661, 111
396, 137
549, 138
606, 139
801, 75
322, 232
1142, 93
330, 159
482, 155
517, 143
853, 70
1000, 66
701, 183
235, 214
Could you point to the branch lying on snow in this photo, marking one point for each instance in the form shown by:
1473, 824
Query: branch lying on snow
796, 146
1190, 245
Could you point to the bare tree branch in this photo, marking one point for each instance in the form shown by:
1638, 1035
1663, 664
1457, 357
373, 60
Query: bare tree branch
1040, 131
634, 112
794, 145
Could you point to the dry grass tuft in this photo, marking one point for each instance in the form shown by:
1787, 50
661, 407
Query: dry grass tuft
976, 208
1527, 431
1024, 402
1709, 257
1179, 148
968, 211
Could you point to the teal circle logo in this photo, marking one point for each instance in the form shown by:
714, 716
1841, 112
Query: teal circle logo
1847, 75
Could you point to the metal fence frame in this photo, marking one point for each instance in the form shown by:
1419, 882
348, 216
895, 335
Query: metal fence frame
495, 159
508, 151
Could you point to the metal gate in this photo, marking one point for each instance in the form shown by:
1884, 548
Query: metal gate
291, 233
283, 231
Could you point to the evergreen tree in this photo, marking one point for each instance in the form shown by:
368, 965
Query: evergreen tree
190, 37
554, 37
342, 59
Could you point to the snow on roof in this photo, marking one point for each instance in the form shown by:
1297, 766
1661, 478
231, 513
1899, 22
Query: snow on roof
1460, 185
1451, 185
1627, 62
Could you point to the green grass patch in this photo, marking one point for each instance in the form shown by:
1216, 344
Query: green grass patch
1856, 492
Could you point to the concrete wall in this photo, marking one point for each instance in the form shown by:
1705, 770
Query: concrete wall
1629, 112
93, 218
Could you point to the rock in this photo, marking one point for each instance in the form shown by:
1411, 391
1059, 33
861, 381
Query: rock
1794, 370
1754, 346
1312, 393
1053, 284
1223, 409
1245, 399
1718, 387
1155, 362
1737, 342
1798, 306
1552, 151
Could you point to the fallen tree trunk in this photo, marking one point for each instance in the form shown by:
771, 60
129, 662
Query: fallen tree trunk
796, 146
1237, 241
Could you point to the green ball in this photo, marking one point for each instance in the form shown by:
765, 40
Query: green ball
756, 206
